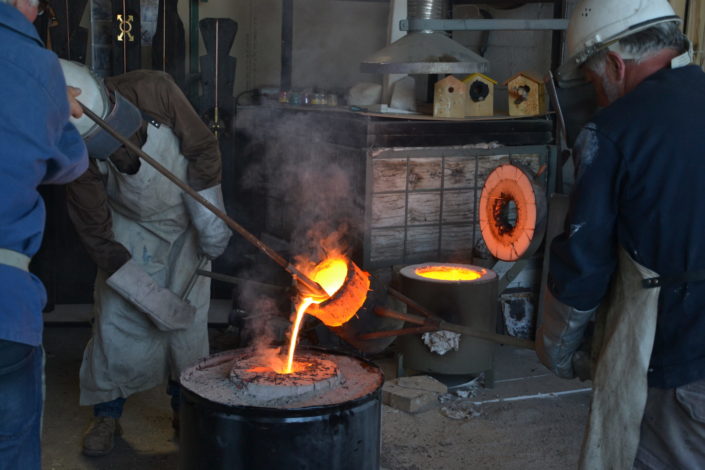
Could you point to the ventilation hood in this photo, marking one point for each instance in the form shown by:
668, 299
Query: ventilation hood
425, 52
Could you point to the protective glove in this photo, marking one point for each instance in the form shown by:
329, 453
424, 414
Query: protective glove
167, 311
213, 233
560, 335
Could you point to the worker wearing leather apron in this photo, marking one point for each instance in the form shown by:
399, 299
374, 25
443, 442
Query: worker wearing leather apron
632, 255
147, 239
39, 146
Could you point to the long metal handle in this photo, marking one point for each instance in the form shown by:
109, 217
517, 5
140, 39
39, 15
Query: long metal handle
455, 328
280, 260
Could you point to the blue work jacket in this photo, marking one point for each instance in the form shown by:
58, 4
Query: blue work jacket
38, 145
640, 175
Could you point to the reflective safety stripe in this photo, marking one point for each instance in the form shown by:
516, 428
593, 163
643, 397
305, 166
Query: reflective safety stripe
14, 259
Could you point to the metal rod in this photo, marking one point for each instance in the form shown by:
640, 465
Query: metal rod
238, 280
400, 332
413, 304
420, 24
389, 313
444, 325
280, 260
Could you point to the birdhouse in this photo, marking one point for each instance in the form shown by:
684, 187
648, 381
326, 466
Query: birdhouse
449, 96
480, 100
527, 95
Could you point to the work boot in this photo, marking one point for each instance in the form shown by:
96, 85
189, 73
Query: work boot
99, 439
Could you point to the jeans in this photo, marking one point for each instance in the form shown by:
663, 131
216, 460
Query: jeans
113, 408
21, 400
673, 429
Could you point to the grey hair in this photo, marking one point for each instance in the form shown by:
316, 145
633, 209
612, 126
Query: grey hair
661, 36
644, 44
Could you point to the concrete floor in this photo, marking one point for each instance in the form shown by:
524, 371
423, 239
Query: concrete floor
529, 420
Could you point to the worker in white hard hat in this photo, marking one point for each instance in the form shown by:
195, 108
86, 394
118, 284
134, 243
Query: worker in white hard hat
147, 238
39, 146
632, 256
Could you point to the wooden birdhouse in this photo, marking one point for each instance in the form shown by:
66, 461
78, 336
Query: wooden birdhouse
480, 100
449, 96
527, 95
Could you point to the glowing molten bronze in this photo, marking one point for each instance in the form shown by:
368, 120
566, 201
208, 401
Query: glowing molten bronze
449, 273
347, 286
352, 284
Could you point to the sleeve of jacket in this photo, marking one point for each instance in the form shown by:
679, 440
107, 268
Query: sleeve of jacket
198, 144
48, 130
88, 209
584, 257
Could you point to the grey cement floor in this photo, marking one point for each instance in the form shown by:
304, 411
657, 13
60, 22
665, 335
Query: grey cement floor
529, 420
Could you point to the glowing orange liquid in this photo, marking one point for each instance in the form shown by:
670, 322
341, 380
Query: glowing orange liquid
330, 274
449, 273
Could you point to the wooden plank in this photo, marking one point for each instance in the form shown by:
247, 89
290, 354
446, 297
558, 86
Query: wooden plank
388, 209
425, 173
389, 174
487, 163
422, 241
696, 30
458, 206
386, 245
459, 172
441, 140
457, 240
424, 208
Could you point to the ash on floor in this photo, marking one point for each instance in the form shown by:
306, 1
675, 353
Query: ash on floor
529, 420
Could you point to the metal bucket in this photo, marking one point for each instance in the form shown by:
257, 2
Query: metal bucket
337, 436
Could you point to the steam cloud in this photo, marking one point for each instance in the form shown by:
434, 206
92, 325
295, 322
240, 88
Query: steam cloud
314, 198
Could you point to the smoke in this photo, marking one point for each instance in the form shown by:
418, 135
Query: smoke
313, 187
311, 199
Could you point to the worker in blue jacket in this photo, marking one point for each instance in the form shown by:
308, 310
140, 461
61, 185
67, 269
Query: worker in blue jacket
39, 146
632, 256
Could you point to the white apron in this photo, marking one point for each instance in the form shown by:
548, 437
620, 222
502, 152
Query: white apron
127, 353
624, 338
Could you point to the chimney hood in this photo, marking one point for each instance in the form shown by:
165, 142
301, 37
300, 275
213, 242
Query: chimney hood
425, 52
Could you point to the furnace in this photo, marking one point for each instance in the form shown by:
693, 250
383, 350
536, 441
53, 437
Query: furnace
237, 412
458, 293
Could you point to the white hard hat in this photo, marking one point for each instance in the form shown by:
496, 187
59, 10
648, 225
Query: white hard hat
121, 115
596, 24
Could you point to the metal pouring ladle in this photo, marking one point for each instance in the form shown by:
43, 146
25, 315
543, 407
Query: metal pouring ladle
311, 285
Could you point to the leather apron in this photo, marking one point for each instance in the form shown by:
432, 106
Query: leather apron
127, 353
623, 340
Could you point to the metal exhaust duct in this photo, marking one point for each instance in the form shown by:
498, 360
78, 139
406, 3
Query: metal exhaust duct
423, 51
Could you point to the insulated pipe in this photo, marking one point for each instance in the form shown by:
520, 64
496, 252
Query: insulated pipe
280, 260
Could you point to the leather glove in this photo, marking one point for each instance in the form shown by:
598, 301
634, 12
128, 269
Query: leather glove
167, 311
560, 335
213, 232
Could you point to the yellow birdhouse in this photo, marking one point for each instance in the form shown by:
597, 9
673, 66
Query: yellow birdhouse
527, 95
480, 100
449, 96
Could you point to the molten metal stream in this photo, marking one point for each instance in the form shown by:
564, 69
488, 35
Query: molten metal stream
330, 274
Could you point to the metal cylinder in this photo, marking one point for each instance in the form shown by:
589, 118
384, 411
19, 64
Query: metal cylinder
341, 436
469, 303
428, 10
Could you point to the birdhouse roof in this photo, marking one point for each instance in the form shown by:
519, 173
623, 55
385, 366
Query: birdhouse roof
449, 78
472, 77
522, 74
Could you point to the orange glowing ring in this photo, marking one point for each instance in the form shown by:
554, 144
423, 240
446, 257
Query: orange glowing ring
507, 240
